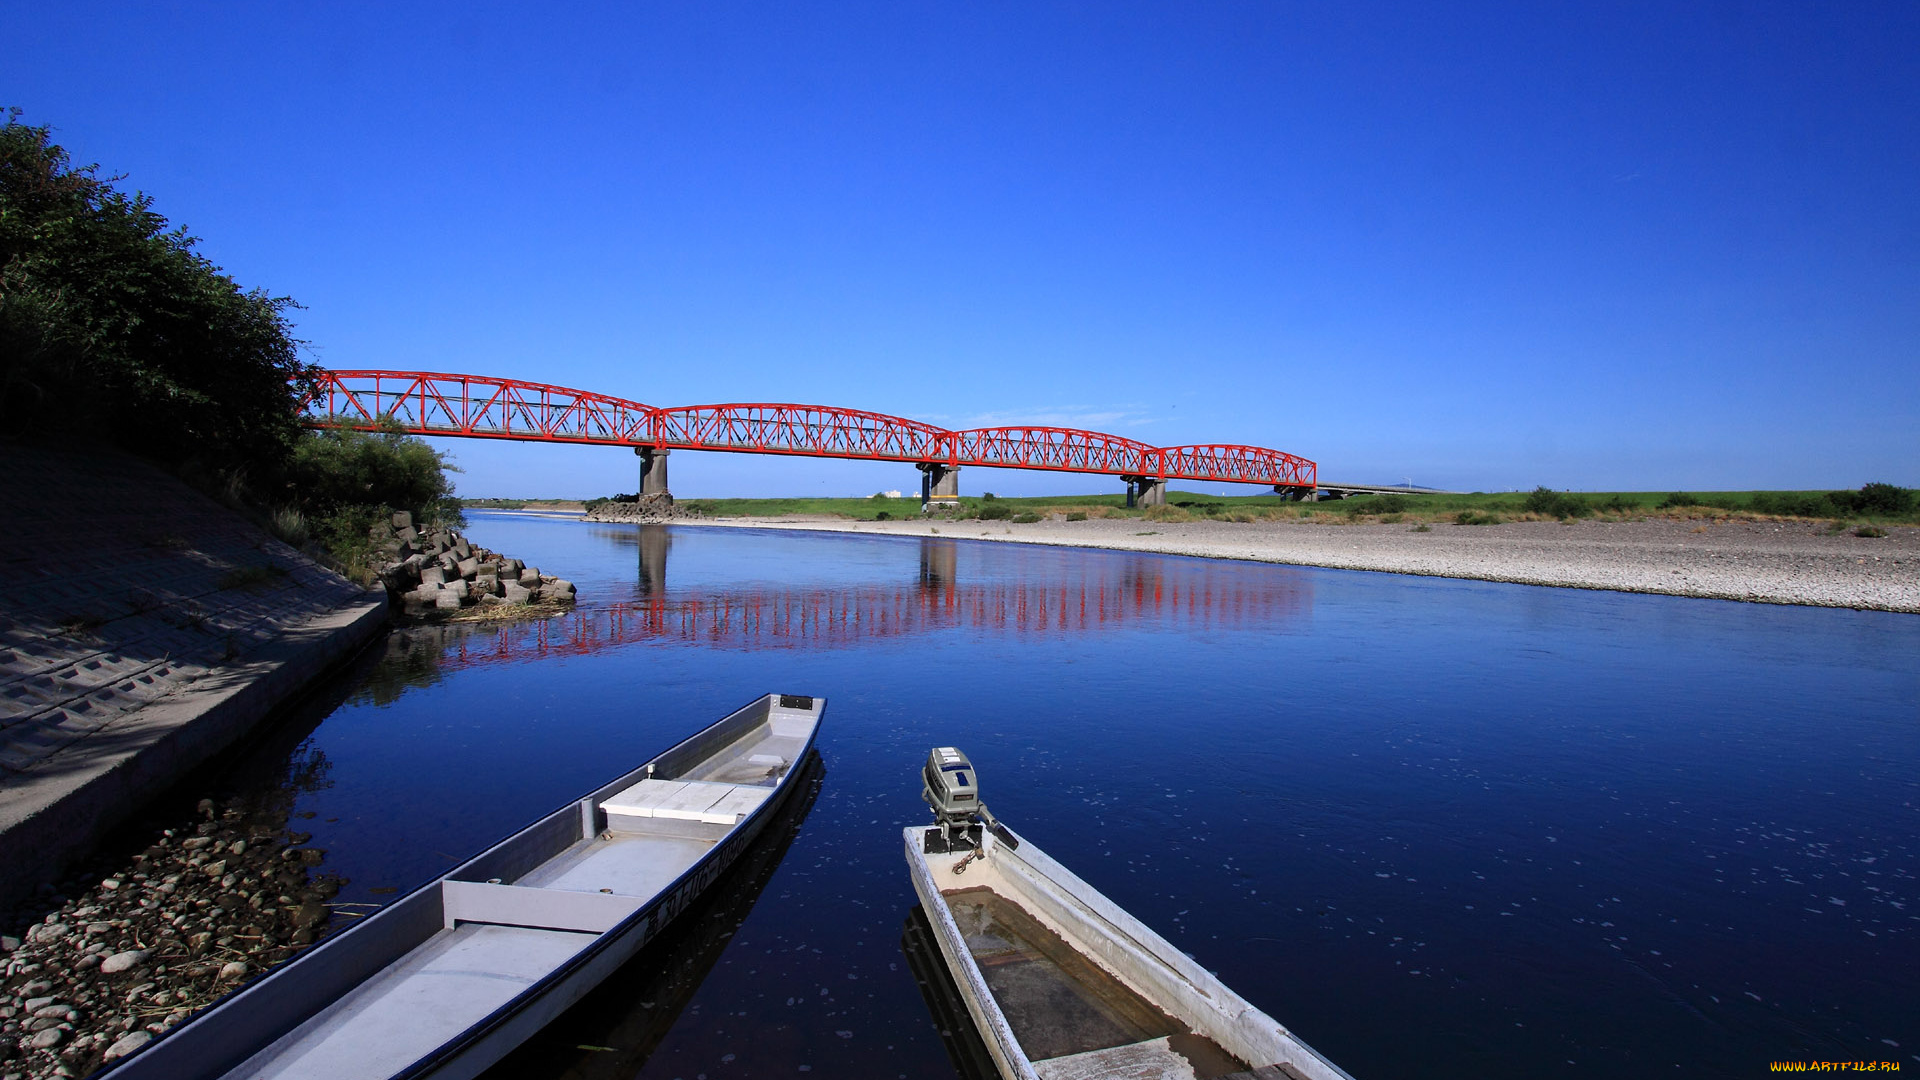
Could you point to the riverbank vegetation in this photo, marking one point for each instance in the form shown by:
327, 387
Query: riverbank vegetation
343, 487
114, 331
1872, 505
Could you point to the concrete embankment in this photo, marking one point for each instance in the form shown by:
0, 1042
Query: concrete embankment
143, 628
1775, 562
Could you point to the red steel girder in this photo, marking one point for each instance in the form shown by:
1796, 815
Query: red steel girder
480, 407
812, 430
475, 406
1058, 449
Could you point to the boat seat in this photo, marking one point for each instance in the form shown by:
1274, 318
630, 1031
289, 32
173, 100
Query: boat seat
688, 800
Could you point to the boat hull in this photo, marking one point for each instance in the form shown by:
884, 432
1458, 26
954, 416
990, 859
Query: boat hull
615, 949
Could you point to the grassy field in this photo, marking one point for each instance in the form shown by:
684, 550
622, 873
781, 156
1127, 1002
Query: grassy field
1876, 504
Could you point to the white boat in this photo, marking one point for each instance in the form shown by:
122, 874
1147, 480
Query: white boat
1062, 984
446, 980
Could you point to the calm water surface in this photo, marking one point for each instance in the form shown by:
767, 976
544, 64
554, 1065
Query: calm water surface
1435, 827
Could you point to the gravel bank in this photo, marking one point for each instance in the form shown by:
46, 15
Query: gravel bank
94, 974
1786, 562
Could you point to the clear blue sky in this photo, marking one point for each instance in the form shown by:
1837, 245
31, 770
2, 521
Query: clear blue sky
1596, 247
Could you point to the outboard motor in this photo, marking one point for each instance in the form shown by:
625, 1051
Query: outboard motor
952, 788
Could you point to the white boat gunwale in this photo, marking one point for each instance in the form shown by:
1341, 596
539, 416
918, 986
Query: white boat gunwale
1212, 1009
233, 1031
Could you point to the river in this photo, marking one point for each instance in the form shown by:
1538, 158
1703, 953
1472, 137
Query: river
1436, 827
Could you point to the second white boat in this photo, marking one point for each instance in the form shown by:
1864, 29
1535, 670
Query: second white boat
1063, 984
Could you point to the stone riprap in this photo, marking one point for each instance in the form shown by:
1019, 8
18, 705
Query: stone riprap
204, 908
644, 509
437, 571
143, 627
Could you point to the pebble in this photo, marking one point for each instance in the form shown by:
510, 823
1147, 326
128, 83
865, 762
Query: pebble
123, 961
46, 1039
233, 969
127, 1044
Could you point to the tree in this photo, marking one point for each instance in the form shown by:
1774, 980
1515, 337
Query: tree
337, 469
113, 328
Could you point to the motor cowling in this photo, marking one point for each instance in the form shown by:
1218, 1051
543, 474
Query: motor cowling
951, 786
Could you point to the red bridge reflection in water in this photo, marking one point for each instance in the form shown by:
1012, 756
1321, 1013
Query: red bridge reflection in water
772, 617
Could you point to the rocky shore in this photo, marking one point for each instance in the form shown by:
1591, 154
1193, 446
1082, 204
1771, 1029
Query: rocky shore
439, 572
641, 509
98, 966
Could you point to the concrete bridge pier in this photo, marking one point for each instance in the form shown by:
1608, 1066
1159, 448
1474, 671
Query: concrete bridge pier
653, 472
1297, 494
1145, 491
939, 486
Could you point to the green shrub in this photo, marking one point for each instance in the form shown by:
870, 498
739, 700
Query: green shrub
1476, 517
336, 468
1377, 504
883, 516
995, 513
1545, 500
347, 483
1077, 515
1870, 531
988, 497
1879, 500
1789, 504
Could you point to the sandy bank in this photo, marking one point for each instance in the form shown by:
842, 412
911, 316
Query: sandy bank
1763, 562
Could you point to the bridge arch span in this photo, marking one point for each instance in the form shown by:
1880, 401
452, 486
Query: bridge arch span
485, 407
476, 406
811, 430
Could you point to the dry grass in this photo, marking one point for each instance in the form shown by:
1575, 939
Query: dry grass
497, 613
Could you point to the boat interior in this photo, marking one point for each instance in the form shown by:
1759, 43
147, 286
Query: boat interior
1086, 990
528, 906
1063, 1006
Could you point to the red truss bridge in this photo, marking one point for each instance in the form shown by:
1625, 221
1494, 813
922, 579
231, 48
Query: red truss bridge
479, 407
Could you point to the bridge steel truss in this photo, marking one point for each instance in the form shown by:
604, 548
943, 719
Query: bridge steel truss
480, 407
